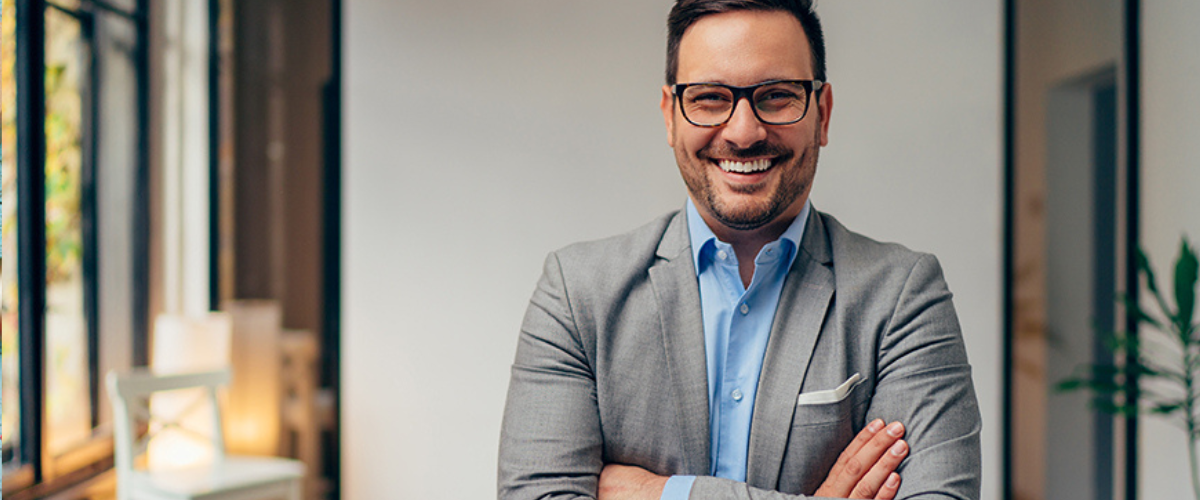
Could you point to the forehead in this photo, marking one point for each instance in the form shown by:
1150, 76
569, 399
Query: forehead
743, 48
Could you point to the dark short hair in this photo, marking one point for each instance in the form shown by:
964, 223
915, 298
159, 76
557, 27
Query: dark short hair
687, 12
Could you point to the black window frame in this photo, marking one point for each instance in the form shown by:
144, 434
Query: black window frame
29, 454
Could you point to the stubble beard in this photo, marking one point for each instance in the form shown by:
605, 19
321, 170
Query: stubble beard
795, 176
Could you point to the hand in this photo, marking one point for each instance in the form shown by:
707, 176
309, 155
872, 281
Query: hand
622, 482
866, 468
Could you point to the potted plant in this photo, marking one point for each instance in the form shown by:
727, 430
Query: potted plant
1164, 357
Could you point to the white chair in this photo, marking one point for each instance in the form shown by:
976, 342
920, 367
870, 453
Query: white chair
225, 477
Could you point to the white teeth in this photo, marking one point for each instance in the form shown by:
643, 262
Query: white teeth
744, 168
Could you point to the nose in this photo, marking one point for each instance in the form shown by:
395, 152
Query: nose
743, 128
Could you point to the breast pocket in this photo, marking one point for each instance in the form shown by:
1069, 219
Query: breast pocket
831, 405
822, 426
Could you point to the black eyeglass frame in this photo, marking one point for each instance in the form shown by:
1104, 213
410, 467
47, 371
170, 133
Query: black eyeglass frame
811, 87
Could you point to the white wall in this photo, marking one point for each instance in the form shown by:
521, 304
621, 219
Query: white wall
1170, 196
468, 157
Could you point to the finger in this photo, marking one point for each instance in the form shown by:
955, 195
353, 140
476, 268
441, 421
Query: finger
832, 487
857, 460
864, 459
859, 441
876, 478
890, 487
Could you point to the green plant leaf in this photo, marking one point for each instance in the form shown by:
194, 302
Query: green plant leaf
1146, 369
1133, 308
1166, 408
1143, 264
1187, 268
1105, 387
1101, 380
1108, 406
1141, 369
1071, 384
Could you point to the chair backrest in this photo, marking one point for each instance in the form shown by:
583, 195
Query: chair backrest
130, 393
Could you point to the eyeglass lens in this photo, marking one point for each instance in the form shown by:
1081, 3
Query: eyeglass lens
776, 103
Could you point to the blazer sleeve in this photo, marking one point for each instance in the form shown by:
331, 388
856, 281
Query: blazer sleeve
924, 381
550, 438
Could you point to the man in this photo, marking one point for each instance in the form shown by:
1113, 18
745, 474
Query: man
747, 346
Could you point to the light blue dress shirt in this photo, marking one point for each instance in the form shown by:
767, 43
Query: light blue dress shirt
737, 325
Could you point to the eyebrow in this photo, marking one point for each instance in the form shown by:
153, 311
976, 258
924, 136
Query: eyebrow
724, 82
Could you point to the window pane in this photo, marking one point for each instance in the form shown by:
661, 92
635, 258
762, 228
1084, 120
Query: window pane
68, 401
9, 425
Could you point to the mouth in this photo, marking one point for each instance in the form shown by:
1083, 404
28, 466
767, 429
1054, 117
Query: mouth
745, 167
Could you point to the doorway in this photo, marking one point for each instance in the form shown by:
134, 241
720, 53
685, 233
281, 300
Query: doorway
1084, 254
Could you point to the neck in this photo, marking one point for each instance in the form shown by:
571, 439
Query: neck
747, 243
752, 240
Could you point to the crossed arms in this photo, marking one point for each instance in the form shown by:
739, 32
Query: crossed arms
593, 387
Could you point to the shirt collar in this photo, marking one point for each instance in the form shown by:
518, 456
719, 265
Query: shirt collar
701, 235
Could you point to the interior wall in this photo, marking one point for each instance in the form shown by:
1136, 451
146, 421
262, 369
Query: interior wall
1058, 41
469, 154
1169, 202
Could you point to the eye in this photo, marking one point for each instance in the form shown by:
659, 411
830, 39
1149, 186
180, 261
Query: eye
709, 96
775, 94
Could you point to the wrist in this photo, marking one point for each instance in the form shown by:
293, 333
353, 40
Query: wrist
653, 486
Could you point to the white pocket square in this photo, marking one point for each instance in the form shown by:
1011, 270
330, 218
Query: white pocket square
830, 396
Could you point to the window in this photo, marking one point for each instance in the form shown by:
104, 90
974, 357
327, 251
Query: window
74, 108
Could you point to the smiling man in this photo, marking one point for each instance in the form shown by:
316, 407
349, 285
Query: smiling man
747, 346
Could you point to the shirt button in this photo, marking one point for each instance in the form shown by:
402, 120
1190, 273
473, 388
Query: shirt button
737, 394
722, 255
745, 309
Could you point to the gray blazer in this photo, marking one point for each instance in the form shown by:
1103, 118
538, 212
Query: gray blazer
610, 368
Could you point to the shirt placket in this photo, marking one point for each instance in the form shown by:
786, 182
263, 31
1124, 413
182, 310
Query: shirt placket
725, 269
736, 395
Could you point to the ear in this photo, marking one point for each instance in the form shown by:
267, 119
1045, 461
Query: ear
668, 110
825, 109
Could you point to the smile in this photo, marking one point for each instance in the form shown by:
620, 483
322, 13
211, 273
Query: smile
744, 167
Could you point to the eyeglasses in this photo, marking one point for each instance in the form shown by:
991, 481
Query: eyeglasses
776, 102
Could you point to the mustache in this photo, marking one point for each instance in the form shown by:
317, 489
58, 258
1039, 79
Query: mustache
757, 150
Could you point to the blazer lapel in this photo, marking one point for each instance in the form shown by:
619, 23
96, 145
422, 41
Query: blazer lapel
803, 304
678, 293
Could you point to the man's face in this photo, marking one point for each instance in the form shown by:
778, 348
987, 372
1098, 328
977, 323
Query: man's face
723, 166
